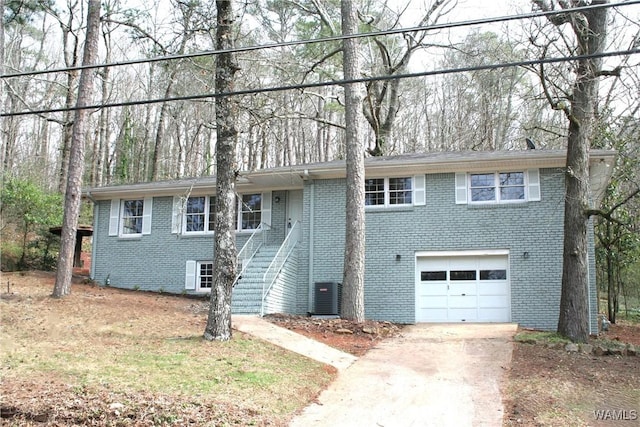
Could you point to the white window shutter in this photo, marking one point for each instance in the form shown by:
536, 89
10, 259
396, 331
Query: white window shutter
534, 185
190, 275
419, 192
176, 215
461, 188
114, 217
147, 207
266, 208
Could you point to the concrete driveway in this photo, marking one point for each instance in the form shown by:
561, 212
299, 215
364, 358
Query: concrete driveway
433, 375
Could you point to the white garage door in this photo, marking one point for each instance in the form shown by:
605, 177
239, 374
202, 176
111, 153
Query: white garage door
463, 288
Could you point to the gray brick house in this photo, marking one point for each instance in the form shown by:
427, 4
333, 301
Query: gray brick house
450, 237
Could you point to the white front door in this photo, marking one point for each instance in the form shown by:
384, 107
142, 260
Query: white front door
463, 289
294, 208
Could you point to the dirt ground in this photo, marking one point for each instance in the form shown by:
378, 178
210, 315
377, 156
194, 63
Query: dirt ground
545, 386
548, 386
351, 337
109, 357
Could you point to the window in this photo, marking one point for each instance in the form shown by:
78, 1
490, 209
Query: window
497, 187
250, 211
512, 186
462, 275
374, 192
205, 276
430, 276
388, 191
197, 215
482, 187
493, 274
400, 191
200, 214
132, 211
130, 217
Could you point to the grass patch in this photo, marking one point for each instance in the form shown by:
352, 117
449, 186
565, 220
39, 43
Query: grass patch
540, 337
631, 315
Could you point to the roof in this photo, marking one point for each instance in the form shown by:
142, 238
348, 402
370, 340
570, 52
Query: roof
292, 177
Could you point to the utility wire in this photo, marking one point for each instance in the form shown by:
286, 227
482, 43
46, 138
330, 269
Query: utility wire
331, 83
328, 39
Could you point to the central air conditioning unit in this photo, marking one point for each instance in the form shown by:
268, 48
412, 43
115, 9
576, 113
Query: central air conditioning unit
327, 297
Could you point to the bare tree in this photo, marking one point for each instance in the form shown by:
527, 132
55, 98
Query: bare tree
225, 256
72, 200
382, 102
71, 48
354, 247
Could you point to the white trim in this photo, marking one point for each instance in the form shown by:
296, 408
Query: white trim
387, 193
190, 275
176, 215
461, 188
147, 207
471, 252
265, 215
114, 218
533, 185
206, 212
121, 211
199, 288
497, 200
419, 190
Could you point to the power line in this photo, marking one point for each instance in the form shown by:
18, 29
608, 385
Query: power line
330, 83
327, 39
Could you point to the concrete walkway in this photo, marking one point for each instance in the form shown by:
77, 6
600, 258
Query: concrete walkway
258, 327
434, 375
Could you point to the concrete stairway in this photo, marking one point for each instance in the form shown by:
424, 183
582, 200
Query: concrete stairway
247, 294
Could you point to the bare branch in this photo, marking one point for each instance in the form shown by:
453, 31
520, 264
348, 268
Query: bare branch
608, 214
616, 72
320, 62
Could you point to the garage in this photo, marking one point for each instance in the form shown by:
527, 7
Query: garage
463, 287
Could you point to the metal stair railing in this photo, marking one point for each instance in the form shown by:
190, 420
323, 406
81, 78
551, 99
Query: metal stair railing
278, 261
248, 251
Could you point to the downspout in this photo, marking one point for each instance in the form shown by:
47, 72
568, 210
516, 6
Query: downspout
311, 234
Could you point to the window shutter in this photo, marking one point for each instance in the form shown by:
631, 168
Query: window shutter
146, 215
419, 193
461, 188
190, 276
266, 208
176, 215
534, 185
114, 217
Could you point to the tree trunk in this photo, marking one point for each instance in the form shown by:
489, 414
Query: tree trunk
72, 200
225, 257
573, 321
157, 146
354, 249
70, 60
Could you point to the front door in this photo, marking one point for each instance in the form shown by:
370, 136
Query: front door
294, 208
